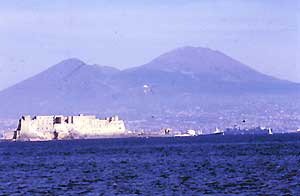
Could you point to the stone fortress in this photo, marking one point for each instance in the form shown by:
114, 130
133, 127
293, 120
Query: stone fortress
70, 127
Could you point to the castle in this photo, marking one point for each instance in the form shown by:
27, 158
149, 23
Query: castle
67, 127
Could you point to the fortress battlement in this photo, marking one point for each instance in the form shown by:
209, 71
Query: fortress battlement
67, 127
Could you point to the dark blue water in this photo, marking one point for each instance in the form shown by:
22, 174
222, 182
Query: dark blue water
215, 165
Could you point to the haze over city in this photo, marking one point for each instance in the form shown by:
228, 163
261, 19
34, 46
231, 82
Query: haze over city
35, 35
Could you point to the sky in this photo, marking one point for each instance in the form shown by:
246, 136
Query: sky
35, 35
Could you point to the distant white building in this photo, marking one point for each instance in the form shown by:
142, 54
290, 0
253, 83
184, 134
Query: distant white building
61, 127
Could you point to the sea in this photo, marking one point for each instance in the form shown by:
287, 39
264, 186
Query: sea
202, 165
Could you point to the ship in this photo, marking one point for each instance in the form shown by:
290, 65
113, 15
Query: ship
249, 131
61, 127
216, 132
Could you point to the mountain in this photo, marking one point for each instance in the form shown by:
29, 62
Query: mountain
182, 80
205, 63
67, 86
198, 70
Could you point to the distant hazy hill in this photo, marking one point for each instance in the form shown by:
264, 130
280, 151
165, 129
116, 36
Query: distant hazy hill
179, 78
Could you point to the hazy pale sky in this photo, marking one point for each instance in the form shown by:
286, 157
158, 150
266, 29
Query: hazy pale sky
36, 34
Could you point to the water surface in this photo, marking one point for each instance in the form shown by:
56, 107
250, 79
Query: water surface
212, 165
